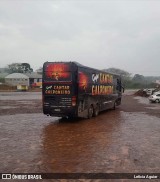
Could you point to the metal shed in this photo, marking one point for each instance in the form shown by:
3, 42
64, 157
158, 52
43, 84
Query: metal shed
34, 77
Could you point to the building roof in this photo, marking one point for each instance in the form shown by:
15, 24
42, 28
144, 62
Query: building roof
33, 75
17, 75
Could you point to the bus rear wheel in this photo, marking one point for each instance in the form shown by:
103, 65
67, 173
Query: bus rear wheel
90, 112
114, 106
96, 111
157, 100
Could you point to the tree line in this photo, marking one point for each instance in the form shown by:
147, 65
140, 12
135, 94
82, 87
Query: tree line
20, 68
129, 81
137, 81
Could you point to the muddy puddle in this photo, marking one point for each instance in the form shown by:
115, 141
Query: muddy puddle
149, 105
124, 140
7, 107
20, 95
142, 100
112, 142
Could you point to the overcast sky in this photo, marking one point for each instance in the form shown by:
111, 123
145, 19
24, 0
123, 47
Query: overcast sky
98, 34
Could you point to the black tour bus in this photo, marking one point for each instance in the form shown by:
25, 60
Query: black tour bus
72, 90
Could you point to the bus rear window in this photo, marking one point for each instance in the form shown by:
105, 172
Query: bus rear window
57, 72
58, 76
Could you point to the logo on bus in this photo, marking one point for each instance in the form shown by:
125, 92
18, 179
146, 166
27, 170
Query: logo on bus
95, 77
48, 87
58, 90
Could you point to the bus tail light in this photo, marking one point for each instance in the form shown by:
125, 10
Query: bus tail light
74, 101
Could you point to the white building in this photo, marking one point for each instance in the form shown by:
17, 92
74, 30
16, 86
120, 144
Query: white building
34, 77
15, 79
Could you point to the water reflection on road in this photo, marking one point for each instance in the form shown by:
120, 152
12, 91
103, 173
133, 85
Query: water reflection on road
82, 145
20, 95
112, 142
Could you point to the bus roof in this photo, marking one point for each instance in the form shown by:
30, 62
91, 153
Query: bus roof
82, 66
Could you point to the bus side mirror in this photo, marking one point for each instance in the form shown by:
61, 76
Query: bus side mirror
123, 89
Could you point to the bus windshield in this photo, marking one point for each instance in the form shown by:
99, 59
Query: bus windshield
57, 72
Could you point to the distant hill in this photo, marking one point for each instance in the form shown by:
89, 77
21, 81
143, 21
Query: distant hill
152, 78
4, 70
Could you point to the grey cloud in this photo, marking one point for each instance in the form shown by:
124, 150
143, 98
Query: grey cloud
101, 34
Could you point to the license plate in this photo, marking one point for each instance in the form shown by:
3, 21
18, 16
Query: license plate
56, 109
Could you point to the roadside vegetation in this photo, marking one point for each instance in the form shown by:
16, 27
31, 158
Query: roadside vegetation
135, 82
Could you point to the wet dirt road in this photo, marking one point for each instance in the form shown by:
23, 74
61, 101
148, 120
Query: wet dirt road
124, 140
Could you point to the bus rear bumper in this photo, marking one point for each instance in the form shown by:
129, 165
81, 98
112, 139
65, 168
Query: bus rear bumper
59, 112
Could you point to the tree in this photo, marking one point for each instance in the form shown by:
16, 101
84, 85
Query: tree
26, 68
123, 73
20, 68
138, 78
126, 76
40, 70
